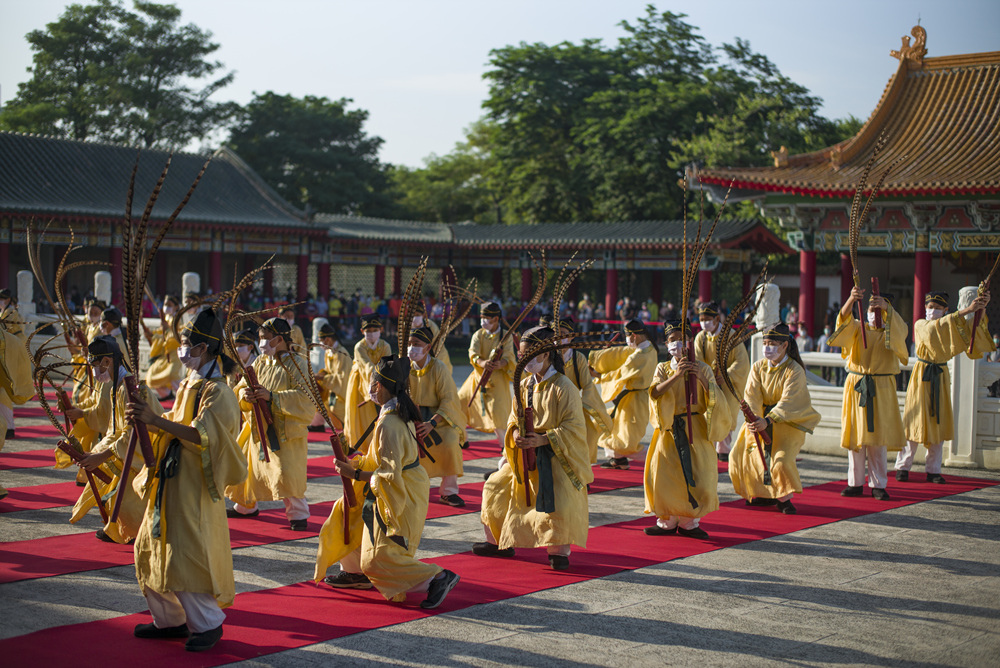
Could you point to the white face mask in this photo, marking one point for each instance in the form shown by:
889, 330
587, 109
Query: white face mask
871, 318
709, 326
564, 341
485, 323
371, 338
933, 313
772, 352
675, 348
243, 352
94, 319
103, 376
168, 310
267, 348
4, 304
535, 366
189, 361
290, 321
373, 395
418, 321
416, 353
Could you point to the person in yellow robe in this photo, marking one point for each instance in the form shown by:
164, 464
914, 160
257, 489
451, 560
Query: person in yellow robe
298, 339
332, 378
110, 452
441, 427
246, 349
420, 319
16, 385
111, 325
624, 374
737, 366
599, 424
183, 558
681, 477
90, 417
360, 413
490, 408
13, 326
927, 415
778, 395
165, 370
279, 371
871, 423
395, 501
558, 515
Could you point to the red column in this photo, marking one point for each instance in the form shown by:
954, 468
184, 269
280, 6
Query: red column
921, 283
323, 279
746, 282
610, 293
656, 291
846, 278
302, 284
704, 285
379, 280
498, 282
115, 257
215, 271
526, 284
807, 289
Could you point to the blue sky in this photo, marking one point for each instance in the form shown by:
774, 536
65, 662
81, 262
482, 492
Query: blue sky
417, 65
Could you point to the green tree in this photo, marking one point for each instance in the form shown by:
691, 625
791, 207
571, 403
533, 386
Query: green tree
103, 72
314, 152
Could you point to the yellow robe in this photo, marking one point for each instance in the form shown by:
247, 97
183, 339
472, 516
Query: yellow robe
133, 507
882, 358
360, 410
12, 323
784, 388
97, 407
666, 492
559, 415
738, 369
193, 553
337, 367
298, 340
491, 408
433, 388
16, 385
936, 342
631, 371
441, 353
399, 493
165, 367
285, 475
598, 420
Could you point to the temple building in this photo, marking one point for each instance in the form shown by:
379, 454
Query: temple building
936, 221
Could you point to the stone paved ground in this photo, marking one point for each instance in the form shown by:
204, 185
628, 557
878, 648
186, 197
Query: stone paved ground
915, 586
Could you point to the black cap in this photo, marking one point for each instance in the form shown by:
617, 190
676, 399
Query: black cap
490, 310
278, 326
672, 326
635, 327
423, 333
537, 335
103, 346
206, 327
371, 320
326, 330
112, 315
779, 332
940, 298
393, 373
709, 309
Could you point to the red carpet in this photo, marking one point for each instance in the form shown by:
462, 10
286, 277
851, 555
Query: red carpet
274, 620
73, 553
29, 459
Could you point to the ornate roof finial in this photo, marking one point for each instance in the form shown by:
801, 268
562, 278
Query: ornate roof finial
913, 56
780, 157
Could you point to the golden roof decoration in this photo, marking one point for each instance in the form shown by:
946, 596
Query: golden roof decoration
913, 56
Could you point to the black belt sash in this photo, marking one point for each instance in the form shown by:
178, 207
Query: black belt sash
272, 441
354, 447
866, 395
545, 496
683, 446
370, 513
621, 395
932, 375
169, 465
770, 437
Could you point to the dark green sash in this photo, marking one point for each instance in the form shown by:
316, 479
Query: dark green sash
370, 513
683, 446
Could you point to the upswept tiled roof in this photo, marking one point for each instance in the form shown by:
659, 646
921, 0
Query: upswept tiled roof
48, 176
942, 114
361, 228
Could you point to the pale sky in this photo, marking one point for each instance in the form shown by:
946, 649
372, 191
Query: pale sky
417, 65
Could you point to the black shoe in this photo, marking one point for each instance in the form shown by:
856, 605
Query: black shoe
10, 434
588, 488
490, 550
453, 500
724, 457
3, 494
345, 580
902, 476
880, 494
486, 476
759, 501
439, 588
851, 490
169, 397
696, 532
231, 512
786, 507
558, 562
151, 631
657, 530
936, 477
199, 642
298, 525
317, 428
618, 463
80, 484
103, 536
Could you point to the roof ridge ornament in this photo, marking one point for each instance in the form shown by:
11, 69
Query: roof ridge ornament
780, 157
913, 56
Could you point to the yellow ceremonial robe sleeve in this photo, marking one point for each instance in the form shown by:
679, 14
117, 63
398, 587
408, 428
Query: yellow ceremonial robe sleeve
165, 367
97, 407
440, 352
627, 383
193, 553
738, 368
433, 388
880, 361
284, 476
400, 490
360, 411
599, 422
665, 488
337, 365
492, 405
783, 388
558, 413
16, 381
